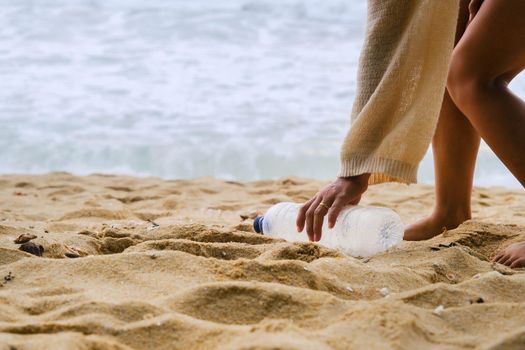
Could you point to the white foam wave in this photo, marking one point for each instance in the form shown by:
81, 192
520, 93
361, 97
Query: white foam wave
233, 88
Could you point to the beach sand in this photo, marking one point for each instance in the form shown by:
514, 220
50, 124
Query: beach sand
146, 263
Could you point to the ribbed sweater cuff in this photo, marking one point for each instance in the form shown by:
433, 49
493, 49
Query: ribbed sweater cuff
382, 169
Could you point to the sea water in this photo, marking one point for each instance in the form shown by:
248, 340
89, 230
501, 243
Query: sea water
237, 89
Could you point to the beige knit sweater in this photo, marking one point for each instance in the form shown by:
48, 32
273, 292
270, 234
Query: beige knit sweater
400, 87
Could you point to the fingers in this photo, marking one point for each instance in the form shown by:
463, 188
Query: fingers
310, 213
334, 211
301, 216
337, 207
319, 215
344, 190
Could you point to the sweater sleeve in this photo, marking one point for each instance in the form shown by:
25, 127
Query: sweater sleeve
400, 87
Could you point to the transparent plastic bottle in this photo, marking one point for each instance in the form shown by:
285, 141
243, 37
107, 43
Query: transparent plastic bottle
358, 231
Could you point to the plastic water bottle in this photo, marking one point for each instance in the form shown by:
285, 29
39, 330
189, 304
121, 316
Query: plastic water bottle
358, 231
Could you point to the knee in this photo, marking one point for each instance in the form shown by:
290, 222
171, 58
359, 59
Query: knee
468, 84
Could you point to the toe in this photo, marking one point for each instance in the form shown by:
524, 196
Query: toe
498, 256
503, 260
502, 256
520, 262
510, 260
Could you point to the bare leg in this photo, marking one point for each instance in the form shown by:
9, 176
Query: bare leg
496, 46
455, 146
488, 56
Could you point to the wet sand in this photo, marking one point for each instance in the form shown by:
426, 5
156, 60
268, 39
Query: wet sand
145, 263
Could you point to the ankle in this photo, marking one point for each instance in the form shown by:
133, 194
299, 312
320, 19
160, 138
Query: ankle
452, 217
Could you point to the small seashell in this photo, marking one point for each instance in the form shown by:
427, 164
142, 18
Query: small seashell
23, 238
31, 248
384, 291
439, 310
451, 277
350, 289
305, 268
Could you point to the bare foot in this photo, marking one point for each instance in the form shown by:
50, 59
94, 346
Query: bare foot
433, 225
513, 255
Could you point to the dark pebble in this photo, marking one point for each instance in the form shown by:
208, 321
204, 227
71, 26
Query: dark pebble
32, 248
447, 245
9, 277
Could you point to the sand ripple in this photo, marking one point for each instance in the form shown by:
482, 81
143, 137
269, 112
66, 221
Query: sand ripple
150, 264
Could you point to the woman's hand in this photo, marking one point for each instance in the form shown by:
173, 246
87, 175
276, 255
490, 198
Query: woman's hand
330, 200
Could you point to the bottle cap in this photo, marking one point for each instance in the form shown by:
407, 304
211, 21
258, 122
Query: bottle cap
258, 224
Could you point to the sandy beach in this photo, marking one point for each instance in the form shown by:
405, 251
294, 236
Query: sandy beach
146, 263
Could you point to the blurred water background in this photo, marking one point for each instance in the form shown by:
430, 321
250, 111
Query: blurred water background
237, 89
